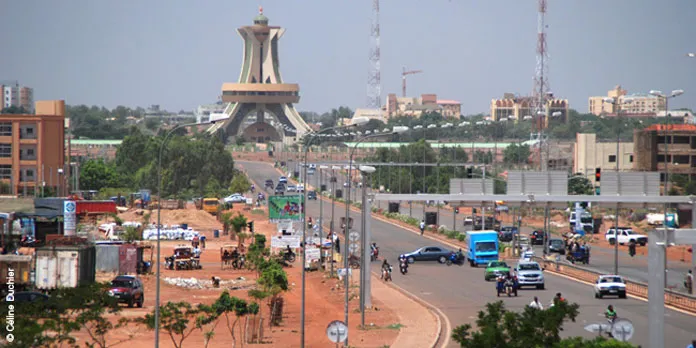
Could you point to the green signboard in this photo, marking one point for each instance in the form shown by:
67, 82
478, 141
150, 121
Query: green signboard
285, 208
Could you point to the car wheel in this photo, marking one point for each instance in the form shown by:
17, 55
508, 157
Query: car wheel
411, 259
599, 295
642, 243
130, 303
142, 300
442, 259
612, 241
540, 287
595, 295
622, 295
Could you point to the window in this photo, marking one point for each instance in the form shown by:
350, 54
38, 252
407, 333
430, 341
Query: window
29, 173
30, 152
5, 150
30, 130
630, 158
5, 129
612, 158
5, 171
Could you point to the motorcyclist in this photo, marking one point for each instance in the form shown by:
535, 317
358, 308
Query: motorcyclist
253, 187
422, 226
288, 250
500, 283
374, 250
386, 267
557, 299
536, 304
403, 262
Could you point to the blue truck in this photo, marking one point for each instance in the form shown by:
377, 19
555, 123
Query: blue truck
483, 247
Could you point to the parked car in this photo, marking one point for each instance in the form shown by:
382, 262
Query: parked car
429, 253
235, 198
30, 297
269, 183
537, 237
494, 269
312, 195
530, 273
128, 289
613, 285
557, 246
506, 233
626, 235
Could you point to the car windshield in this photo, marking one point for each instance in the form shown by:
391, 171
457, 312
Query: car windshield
485, 246
612, 280
556, 242
122, 283
212, 203
529, 267
498, 264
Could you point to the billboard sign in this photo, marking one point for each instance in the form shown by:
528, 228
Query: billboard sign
285, 208
69, 218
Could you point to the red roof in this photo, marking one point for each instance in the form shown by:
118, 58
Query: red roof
672, 127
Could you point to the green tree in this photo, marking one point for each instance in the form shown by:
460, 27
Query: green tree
499, 328
97, 174
578, 184
238, 222
175, 319
14, 110
273, 281
517, 154
240, 183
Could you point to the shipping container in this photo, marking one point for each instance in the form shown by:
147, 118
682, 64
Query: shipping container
20, 266
92, 207
65, 266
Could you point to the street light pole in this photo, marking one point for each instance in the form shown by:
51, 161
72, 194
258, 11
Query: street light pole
346, 229
310, 137
159, 221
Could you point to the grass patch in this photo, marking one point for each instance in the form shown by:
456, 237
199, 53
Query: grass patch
396, 326
258, 211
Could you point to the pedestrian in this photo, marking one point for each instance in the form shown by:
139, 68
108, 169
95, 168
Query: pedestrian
689, 282
536, 304
338, 245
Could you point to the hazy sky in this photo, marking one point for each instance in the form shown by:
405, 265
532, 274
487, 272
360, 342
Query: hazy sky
177, 53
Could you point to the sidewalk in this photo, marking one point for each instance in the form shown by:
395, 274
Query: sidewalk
421, 327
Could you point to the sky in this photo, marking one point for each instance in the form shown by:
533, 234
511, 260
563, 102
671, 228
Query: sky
177, 53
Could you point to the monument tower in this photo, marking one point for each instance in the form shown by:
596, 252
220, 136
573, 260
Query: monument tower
260, 105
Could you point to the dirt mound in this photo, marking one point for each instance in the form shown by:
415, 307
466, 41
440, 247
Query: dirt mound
196, 219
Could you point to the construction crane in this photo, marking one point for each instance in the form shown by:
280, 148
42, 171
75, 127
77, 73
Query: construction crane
403, 79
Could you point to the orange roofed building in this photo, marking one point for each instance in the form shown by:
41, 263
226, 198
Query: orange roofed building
32, 151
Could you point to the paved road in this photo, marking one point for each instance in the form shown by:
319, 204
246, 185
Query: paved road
602, 260
461, 291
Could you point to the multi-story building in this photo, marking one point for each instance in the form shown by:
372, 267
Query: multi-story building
32, 151
516, 108
203, 112
672, 146
640, 105
589, 154
17, 96
415, 107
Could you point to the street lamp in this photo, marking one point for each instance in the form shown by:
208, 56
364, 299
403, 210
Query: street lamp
365, 296
159, 221
358, 121
616, 107
346, 284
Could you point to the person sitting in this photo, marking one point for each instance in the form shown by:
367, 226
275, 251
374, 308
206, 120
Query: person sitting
536, 304
216, 282
235, 254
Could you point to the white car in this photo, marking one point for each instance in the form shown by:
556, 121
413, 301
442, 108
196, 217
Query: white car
626, 235
292, 188
613, 285
530, 273
300, 187
235, 198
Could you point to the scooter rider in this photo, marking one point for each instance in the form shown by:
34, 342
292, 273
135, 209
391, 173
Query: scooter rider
403, 263
374, 251
386, 267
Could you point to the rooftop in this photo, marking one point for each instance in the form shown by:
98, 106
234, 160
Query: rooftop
447, 101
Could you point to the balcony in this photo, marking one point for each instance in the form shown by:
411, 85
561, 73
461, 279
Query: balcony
24, 135
27, 153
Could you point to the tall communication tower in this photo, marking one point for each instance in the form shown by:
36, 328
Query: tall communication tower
541, 91
374, 79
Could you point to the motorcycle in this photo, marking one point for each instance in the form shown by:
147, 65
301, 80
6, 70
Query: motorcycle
455, 258
169, 262
386, 274
510, 288
403, 266
374, 254
239, 262
289, 256
28, 241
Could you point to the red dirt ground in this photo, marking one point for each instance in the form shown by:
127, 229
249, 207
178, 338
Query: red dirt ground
324, 297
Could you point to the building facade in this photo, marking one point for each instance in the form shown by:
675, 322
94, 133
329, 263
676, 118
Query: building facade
17, 96
641, 104
517, 108
666, 146
32, 153
416, 106
589, 154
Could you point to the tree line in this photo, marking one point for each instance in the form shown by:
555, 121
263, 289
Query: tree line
192, 166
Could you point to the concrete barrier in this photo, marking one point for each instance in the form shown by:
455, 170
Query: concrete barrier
675, 299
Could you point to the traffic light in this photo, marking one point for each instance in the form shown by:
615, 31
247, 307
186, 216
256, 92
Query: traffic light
250, 226
598, 174
469, 172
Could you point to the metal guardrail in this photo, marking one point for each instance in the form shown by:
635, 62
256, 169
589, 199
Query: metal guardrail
673, 298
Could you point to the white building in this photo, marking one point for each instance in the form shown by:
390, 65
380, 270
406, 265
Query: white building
204, 111
17, 96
